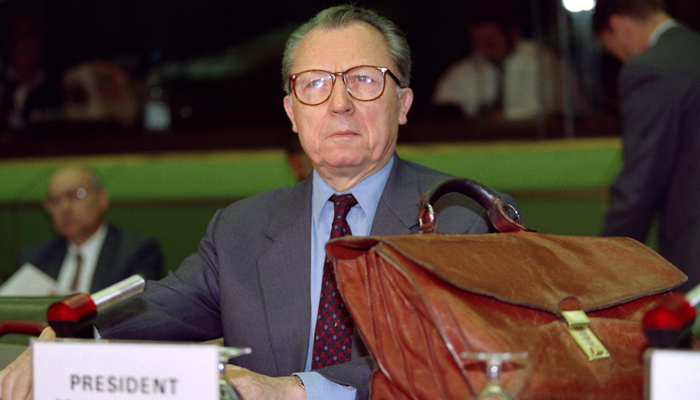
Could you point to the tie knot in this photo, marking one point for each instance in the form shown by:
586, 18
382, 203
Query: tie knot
346, 201
342, 205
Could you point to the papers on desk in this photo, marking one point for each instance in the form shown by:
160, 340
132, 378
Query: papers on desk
30, 281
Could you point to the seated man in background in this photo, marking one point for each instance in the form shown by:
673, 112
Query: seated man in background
89, 254
260, 275
507, 76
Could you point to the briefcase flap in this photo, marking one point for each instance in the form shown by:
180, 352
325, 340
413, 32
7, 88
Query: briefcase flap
527, 268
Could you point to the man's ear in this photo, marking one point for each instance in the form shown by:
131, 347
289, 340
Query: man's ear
103, 199
290, 111
405, 102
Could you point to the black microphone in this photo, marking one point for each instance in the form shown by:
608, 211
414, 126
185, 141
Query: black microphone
73, 316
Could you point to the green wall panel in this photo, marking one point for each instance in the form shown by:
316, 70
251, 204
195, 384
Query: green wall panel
551, 165
562, 216
559, 186
178, 228
138, 177
547, 165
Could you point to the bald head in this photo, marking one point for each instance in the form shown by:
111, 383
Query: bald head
76, 203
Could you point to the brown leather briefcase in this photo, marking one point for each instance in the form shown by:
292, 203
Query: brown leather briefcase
574, 304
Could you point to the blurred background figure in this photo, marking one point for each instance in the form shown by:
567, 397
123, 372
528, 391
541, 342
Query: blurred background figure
299, 161
659, 88
27, 89
99, 90
88, 254
506, 76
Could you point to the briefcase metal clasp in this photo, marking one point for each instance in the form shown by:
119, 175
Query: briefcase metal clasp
577, 324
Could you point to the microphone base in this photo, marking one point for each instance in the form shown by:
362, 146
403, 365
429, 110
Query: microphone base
81, 329
670, 338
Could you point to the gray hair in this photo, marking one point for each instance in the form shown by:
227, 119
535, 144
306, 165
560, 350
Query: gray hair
342, 16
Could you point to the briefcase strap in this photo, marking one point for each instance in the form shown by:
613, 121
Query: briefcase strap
503, 216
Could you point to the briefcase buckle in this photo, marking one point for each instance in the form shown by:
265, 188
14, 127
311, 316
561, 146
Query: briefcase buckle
578, 326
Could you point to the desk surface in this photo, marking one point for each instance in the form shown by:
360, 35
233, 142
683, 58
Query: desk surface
9, 352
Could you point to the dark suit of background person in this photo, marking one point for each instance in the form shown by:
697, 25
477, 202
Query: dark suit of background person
123, 254
659, 87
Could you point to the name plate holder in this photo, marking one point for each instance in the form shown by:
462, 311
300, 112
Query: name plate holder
75, 369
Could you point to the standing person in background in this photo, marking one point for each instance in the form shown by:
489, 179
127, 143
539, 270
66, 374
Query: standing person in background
659, 87
507, 76
260, 277
89, 254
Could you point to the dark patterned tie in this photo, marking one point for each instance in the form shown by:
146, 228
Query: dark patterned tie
333, 334
76, 277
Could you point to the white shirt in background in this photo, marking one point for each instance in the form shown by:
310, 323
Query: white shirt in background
89, 253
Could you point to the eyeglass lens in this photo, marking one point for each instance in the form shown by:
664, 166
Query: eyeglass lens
70, 196
363, 83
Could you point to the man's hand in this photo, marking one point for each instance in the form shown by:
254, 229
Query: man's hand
253, 386
16, 379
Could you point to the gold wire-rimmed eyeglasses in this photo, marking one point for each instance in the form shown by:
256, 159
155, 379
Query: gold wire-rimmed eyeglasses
363, 82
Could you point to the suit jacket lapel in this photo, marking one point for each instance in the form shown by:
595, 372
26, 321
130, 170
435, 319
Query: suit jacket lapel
397, 211
285, 274
284, 269
53, 258
107, 269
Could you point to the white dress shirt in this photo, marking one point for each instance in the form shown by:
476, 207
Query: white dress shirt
359, 218
89, 253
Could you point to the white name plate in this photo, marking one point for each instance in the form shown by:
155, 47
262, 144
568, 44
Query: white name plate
672, 374
88, 370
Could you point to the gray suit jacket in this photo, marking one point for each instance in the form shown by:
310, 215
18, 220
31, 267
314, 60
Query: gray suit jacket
123, 254
660, 92
250, 279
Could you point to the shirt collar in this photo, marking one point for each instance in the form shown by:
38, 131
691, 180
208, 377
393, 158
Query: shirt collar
663, 27
367, 192
93, 243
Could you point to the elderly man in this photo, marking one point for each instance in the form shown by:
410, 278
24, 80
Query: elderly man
88, 255
659, 87
259, 277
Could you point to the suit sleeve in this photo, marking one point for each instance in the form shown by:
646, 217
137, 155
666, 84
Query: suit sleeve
355, 373
183, 306
650, 116
459, 214
148, 260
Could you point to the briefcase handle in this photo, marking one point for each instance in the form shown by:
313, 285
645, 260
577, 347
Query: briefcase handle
499, 212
